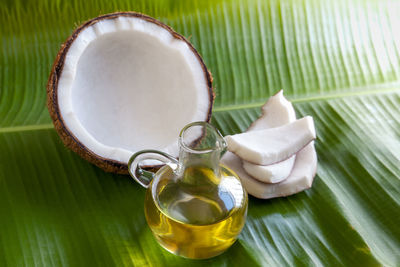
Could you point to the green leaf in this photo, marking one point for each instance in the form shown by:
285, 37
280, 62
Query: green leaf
338, 61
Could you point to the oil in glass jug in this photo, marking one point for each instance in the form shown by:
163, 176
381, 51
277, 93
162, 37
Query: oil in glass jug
194, 206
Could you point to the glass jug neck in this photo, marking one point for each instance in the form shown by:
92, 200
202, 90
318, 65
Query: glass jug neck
201, 146
208, 161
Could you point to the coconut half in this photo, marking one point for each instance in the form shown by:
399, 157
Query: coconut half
124, 82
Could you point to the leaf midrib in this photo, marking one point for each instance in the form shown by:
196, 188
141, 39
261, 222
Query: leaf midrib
382, 89
394, 87
24, 128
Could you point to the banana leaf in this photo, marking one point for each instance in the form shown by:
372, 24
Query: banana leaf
338, 61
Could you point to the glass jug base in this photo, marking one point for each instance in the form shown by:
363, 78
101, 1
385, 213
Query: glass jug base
199, 225
191, 252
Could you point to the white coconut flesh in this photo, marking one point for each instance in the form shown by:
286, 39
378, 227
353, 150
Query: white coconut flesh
127, 84
272, 173
300, 178
272, 145
277, 111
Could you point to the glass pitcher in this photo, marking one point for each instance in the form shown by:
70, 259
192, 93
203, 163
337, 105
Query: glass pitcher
194, 206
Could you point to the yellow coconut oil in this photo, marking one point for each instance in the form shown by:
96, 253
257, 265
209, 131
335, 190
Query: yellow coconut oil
198, 214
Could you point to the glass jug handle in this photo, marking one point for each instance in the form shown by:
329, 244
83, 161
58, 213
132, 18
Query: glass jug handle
144, 177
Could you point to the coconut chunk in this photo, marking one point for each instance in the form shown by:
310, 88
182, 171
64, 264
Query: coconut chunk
273, 145
276, 112
301, 174
300, 178
273, 173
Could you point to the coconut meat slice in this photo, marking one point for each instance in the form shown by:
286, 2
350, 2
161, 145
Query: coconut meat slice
302, 173
273, 173
129, 84
300, 178
273, 145
277, 111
